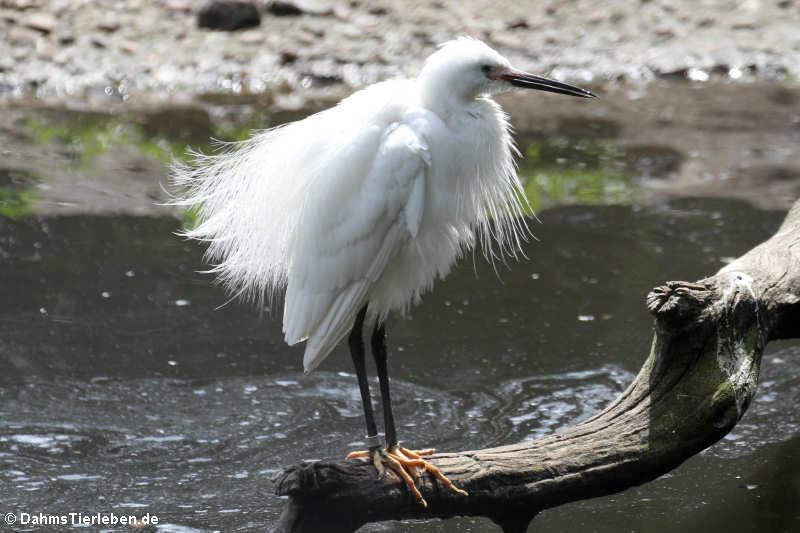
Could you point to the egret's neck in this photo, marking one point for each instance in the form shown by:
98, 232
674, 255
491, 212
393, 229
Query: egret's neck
445, 99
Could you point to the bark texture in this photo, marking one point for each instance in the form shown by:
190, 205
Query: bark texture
695, 385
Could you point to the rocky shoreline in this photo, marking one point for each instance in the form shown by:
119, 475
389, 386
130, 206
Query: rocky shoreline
303, 50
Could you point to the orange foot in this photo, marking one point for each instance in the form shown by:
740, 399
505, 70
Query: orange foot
404, 463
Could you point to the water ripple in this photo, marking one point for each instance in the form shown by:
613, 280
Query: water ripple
109, 444
154, 444
531, 407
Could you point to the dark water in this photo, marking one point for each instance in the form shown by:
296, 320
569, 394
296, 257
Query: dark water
123, 388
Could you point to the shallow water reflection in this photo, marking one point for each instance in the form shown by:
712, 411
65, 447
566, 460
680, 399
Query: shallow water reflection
123, 388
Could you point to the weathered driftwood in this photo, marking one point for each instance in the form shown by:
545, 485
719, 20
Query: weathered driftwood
693, 388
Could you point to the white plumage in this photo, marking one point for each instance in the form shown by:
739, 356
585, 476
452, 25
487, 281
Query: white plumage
368, 201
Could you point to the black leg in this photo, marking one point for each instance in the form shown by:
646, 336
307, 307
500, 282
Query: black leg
379, 353
357, 352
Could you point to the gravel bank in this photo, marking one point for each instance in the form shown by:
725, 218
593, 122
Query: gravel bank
140, 49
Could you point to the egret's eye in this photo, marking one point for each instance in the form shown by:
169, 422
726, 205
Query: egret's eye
486, 69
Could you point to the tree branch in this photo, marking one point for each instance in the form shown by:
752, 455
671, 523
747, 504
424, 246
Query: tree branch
695, 385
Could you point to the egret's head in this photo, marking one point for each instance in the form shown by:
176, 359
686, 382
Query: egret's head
467, 67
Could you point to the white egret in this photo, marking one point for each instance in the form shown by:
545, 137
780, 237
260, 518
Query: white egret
355, 210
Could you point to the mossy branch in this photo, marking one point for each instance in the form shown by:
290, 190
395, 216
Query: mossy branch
693, 388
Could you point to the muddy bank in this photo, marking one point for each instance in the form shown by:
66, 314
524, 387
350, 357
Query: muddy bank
626, 147
720, 140
135, 49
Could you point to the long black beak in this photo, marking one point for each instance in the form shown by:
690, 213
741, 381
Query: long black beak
532, 81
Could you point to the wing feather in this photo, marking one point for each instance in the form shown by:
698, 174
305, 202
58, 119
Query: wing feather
341, 315
369, 203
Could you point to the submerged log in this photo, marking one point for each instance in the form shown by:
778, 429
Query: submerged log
695, 385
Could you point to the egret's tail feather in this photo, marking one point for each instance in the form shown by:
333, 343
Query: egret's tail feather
248, 198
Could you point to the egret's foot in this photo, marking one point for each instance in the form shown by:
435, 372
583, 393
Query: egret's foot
405, 464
